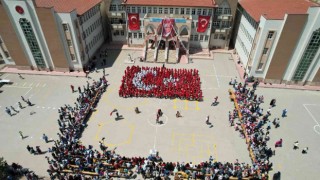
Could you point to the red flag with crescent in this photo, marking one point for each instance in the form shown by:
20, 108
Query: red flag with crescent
203, 22
133, 21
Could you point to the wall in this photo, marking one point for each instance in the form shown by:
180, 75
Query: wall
11, 40
286, 46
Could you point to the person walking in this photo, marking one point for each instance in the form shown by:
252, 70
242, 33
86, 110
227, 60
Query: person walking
178, 114
79, 89
215, 101
45, 138
21, 135
20, 105
284, 113
305, 150
72, 88
296, 145
104, 72
13, 109
23, 99
8, 111
207, 120
29, 103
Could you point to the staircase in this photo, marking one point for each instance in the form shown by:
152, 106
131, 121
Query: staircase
172, 56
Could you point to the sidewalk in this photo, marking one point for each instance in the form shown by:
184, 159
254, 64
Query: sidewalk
35, 72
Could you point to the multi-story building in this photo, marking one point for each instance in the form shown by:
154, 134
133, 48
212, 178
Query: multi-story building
278, 41
50, 34
186, 35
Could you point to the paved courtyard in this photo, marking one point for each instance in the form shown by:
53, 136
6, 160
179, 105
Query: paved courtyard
183, 139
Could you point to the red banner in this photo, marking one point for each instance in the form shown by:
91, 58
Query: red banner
203, 22
167, 27
133, 21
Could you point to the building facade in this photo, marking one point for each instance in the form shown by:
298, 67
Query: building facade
50, 35
278, 41
185, 15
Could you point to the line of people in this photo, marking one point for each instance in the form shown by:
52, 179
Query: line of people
13, 111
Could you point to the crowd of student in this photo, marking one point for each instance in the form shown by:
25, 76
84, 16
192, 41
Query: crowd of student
161, 82
252, 123
67, 149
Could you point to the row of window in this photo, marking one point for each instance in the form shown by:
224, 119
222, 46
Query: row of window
219, 36
116, 21
116, 7
118, 33
91, 28
248, 17
221, 24
135, 35
166, 10
87, 15
243, 47
93, 42
246, 33
3, 47
201, 38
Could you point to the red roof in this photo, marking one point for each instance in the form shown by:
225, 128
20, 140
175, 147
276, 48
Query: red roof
275, 9
178, 3
66, 6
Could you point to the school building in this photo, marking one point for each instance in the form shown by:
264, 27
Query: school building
278, 41
66, 34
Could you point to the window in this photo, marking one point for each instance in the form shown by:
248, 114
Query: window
120, 7
129, 35
113, 7
204, 12
6, 53
270, 34
165, 10
210, 12
192, 24
139, 9
201, 37
171, 10
140, 35
219, 11
149, 9
160, 10
134, 35
308, 56
199, 11
195, 37
155, 10
216, 36
144, 10
65, 27
182, 11
188, 11
193, 12
227, 11
116, 33
122, 33
191, 37
206, 38
133, 9
128, 9
73, 57
216, 23
265, 50
32, 42
69, 42
176, 11
221, 36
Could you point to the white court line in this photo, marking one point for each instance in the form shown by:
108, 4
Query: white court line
24, 84
214, 68
37, 85
313, 118
220, 76
44, 85
31, 84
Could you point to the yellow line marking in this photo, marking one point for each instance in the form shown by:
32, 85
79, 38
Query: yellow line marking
215, 153
186, 104
197, 106
175, 104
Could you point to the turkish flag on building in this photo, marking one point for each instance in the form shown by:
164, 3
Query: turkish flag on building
203, 22
133, 21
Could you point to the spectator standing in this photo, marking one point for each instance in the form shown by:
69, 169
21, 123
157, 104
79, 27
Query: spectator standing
72, 88
284, 113
45, 138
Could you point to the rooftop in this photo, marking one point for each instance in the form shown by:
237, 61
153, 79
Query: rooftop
178, 3
275, 9
66, 6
